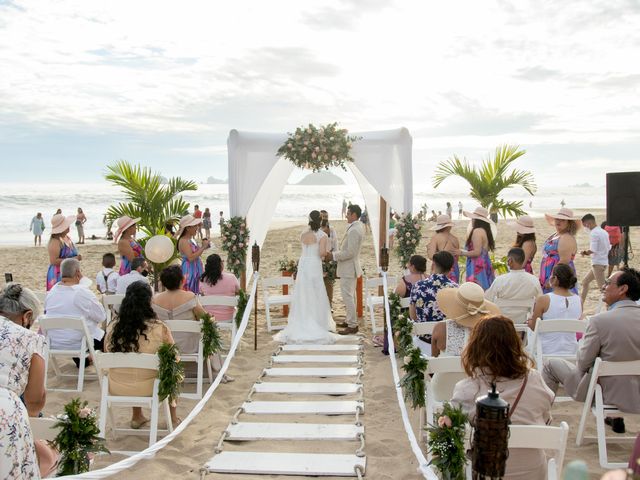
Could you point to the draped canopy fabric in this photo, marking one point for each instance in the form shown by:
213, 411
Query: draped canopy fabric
382, 167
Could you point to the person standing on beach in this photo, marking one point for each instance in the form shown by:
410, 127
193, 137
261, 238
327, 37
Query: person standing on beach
459, 210
599, 247
449, 209
190, 252
197, 213
60, 247
81, 219
128, 247
221, 220
561, 247
206, 222
37, 227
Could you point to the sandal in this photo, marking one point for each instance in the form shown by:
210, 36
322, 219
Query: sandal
378, 341
137, 424
227, 379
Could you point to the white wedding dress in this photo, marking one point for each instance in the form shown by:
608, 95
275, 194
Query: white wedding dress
310, 318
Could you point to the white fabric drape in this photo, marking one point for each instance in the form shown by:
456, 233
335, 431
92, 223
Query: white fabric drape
382, 167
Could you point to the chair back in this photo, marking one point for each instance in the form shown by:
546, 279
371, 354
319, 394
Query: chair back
276, 282
404, 302
147, 361
110, 302
447, 371
425, 328
218, 300
542, 437
375, 282
555, 325
187, 326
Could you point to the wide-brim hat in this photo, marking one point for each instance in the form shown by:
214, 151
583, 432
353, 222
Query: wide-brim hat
59, 223
442, 221
479, 213
187, 221
524, 225
123, 223
563, 214
465, 304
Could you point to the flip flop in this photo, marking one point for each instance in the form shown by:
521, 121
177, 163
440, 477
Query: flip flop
136, 425
378, 341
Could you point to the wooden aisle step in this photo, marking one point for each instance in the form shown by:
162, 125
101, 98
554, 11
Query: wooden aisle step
342, 407
293, 431
312, 372
316, 464
322, 348
307, 388
315, 359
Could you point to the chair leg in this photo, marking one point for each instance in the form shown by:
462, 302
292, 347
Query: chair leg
199, 379
602, 435
583, 419
267, 312
167, 413
103, 416
209, 370
83, 357
153, 432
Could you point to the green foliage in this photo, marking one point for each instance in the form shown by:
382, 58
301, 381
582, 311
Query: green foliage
413, 381
330, 270
407, 237
210, 336
395, 310
488, 182
170, 372
243, 300
318, 148
403, 330
446, 442
499, 265
78, 436
234, 236
287, 266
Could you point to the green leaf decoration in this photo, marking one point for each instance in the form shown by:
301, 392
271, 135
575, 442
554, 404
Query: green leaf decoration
234, 236
413, 381
210, 336
446, 442
77, 437
243, 300
170, 372
403, 330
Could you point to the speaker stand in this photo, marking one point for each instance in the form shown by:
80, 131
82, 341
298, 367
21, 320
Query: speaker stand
625, 231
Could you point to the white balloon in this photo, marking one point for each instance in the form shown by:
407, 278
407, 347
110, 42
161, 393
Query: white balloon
159, 249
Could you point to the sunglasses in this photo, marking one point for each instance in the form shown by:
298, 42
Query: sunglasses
608, 282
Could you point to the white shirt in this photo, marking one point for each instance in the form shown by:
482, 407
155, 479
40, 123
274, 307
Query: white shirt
600, 246
515, 293
126, 280
73, 301
108, 286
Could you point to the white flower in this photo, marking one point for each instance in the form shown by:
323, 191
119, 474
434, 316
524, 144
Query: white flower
84, 412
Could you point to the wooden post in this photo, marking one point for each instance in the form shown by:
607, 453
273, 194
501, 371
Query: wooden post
285, 291
359, 300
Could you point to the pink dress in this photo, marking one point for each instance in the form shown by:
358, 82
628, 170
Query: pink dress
228, 285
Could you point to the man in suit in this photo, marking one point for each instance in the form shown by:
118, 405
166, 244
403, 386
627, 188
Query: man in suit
348, 258
613, 336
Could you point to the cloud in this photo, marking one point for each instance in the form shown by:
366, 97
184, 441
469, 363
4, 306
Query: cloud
344, 16
537, 73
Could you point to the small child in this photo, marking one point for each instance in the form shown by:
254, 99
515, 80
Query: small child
107, 277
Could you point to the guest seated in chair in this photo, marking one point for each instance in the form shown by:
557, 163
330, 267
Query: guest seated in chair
613, 336
136, 329
495, 354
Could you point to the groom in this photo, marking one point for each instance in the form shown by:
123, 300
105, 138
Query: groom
348, 258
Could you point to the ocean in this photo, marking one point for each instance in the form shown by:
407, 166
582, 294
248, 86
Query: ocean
20, 202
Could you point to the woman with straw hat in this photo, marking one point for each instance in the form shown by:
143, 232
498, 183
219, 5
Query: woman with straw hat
60, 247
190, 251
526, 240
561, 247
128, 247
477, 246
445, 241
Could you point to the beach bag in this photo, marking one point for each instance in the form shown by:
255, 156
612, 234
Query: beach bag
615, 235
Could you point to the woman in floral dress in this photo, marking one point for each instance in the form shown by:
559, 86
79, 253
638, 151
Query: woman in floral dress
479, 243
60, 247
190, 251
561, 247
128, 247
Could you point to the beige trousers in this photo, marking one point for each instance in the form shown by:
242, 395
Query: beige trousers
597, 272
348, 290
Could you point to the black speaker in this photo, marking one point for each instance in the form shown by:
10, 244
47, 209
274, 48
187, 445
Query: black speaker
623, 199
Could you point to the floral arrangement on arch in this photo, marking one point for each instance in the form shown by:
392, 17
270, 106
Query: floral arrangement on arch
234, 236
77, 437
287, 266
318, 148
408, 234
446, 442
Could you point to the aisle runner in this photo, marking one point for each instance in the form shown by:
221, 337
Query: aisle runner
295, 371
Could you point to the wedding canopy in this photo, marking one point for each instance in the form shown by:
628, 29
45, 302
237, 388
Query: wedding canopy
257, 177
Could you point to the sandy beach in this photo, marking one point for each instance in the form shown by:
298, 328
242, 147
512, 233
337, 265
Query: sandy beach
387, 449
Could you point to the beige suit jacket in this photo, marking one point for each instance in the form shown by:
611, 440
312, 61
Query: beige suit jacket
613, 336
348, 255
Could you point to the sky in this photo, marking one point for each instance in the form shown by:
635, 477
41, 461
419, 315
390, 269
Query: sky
85, 83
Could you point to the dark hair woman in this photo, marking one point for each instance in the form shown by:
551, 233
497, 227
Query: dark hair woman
215, 281
60, 247
494, 354
479, 242
136, 329
526, 240
315, 220
417, 267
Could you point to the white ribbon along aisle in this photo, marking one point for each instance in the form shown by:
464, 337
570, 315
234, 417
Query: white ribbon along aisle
423, 467
153, 449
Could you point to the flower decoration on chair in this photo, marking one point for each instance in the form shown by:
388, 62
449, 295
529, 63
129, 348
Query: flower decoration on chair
170, 372
413, 380
408, 234
446, 442
210, 336
78, 436
243, 300
234, 236
318, 148
287, 266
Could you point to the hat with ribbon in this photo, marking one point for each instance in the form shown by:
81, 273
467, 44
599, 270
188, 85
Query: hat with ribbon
123, 224
465, 304
563, 214
524, 225
59, 223
442, 221
187, 221
479, 213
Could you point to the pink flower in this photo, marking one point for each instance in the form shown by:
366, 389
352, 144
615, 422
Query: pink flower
84, 412
313, 155
240, 245
234, 248
289, 145
242, 225
444, 421
306, 142
333, 157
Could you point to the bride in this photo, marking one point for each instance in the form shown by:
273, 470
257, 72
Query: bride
310, 316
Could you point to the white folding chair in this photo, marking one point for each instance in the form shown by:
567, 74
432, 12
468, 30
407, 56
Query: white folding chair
373, 298
147, 361
47, 324
111, 304
404, 302
424, 328
278, 299
559, 325
600, 410
447, 371
41, 296
222, 301
193, 327
43, 428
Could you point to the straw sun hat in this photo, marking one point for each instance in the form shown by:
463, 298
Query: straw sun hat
443, 221
60, 223
465, 304
563, 214
187, 221
524, 225
479, 213
123, 223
